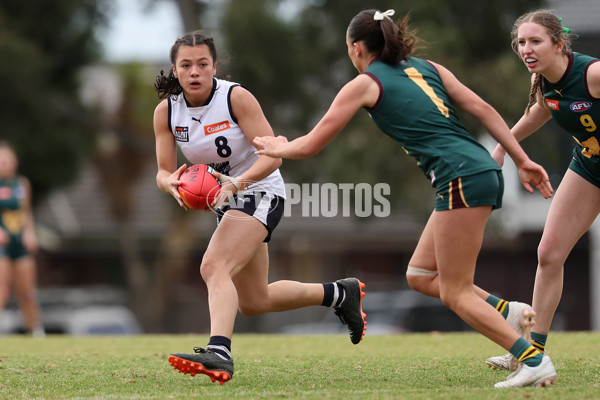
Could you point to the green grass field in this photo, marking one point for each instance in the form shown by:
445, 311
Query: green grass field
408, 366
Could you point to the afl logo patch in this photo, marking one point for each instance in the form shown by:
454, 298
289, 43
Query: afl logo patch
181, 134
580, 106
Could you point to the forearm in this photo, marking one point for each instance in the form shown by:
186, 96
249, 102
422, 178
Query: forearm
162, 180
529, 123
300, 148
262, 168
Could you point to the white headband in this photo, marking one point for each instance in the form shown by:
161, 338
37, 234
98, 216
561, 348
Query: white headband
379, 16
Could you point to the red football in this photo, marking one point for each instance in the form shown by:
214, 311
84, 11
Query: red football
198, 187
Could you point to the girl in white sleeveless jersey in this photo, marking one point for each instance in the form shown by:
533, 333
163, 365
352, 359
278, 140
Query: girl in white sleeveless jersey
214, 122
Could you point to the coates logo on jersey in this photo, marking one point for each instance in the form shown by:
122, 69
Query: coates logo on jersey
580, 106
218, 127
553, 104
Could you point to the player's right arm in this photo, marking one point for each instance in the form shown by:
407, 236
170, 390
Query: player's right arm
465, 99
167, 177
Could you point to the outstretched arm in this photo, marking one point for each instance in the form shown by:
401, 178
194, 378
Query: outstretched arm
360, 92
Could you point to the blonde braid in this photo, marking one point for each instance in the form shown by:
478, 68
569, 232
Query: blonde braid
536, 90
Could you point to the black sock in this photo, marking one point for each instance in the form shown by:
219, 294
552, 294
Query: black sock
221, 346
334, 295
328, 296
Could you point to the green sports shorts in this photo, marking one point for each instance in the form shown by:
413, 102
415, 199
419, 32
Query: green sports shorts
14, 249
483, 189
581, 166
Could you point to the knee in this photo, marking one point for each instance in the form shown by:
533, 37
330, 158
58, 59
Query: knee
27, 299
219, 267
208, 268
423, 281
254, 309
421, 284
550, 256
26, 294
451, 299
451, 296
448, 299
415, 282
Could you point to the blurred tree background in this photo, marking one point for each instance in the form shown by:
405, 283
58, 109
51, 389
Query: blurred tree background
44, 45
294, 63
290, 54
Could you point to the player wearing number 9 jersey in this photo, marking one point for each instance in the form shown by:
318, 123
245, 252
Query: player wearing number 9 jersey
214, 122
565, 86
574, 109
412, 101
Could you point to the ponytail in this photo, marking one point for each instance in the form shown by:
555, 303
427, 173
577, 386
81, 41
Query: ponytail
390, 41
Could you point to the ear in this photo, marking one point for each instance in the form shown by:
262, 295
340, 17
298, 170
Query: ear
174, 71
358, 49
559, 47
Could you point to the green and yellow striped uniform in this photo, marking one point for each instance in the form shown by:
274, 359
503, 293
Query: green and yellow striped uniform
415, 111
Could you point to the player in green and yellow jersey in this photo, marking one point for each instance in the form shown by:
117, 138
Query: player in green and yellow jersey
565, 87
412, 101
17, 241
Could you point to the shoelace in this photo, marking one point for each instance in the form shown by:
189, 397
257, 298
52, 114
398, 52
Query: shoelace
201, 350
